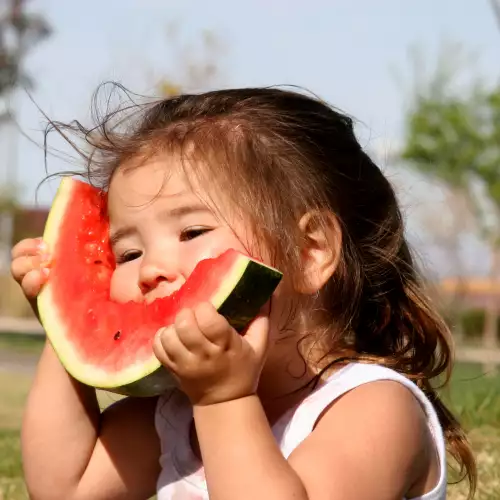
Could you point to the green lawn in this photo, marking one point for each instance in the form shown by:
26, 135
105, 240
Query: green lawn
475, 398
13, 390
21, 344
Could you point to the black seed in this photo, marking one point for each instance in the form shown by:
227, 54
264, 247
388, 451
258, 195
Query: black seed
97, 261
117, 335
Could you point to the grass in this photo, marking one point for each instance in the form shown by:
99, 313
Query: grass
13, 391
11, 479
474, 398
21, 344
486, 444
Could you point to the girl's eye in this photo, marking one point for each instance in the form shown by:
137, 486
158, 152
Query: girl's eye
128, 256
193, 232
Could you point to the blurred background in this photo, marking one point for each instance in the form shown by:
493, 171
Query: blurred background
421, 78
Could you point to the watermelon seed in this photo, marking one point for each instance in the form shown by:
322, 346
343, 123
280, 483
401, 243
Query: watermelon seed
117, 335
97, 262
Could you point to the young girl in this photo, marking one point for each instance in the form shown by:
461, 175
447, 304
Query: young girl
328, 393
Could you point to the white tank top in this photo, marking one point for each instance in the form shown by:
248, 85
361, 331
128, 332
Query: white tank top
182, 475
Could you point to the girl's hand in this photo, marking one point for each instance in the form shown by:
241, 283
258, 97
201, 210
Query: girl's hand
29, 267
212, 362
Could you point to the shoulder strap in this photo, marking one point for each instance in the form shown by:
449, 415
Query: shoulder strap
304, 419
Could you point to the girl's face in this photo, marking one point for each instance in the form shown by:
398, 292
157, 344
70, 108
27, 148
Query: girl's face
161, 226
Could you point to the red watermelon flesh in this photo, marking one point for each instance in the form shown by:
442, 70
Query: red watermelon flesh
107, 344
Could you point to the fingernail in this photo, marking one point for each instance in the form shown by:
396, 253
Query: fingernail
42, 247
45, 271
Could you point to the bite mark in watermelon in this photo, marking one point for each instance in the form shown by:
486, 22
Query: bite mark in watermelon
106, 344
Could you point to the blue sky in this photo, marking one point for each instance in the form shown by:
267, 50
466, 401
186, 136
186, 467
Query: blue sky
347, 51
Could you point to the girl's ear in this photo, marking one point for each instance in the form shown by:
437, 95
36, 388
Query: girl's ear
320, 252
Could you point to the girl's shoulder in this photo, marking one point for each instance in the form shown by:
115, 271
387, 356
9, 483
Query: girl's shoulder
372, 414
306, 415
350, 377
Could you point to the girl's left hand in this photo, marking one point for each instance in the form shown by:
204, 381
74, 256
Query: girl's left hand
212, 362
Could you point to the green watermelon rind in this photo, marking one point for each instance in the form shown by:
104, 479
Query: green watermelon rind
247, 286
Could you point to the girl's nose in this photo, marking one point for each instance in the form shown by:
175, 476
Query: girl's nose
151, 276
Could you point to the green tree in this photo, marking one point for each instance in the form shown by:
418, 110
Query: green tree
197, 66
20, 32
453, 136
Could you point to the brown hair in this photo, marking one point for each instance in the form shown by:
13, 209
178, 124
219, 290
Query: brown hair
280, 154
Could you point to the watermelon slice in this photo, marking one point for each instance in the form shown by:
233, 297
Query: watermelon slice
106, 344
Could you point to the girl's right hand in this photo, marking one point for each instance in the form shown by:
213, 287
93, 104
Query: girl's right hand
29, 266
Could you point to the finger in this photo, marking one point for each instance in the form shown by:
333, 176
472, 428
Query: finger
188, 330
257, 334
21, 266
33, 281
213, 325
159, 351
170, 343
30, 246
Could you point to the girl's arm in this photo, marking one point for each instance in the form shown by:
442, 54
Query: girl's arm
373, 443
73, 452
70, 450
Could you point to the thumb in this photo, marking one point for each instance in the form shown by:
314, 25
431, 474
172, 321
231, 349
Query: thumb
257, 333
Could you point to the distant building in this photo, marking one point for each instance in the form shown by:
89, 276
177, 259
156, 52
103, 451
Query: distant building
469, 292
27, 222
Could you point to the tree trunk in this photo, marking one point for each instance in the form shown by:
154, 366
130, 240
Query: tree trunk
490, 324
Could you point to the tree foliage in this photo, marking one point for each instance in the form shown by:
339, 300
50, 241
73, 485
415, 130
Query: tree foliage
196, 66
454, 137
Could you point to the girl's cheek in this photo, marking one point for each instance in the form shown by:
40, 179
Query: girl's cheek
123, 286
210, 247
115, 290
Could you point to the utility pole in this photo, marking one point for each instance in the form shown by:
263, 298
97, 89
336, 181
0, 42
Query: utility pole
495, 5
19, 32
